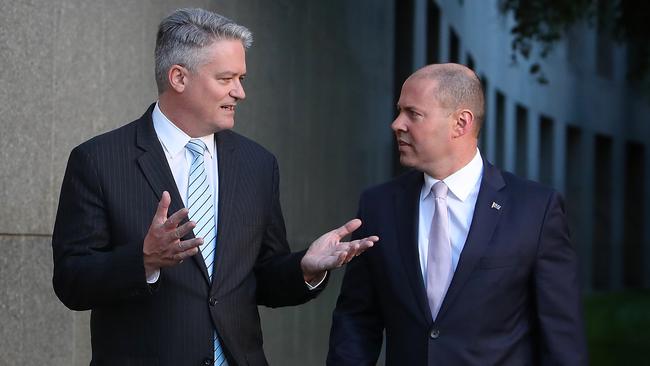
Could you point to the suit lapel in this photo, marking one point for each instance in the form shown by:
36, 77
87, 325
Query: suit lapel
484, 221
406, 215
229, 172
156, 171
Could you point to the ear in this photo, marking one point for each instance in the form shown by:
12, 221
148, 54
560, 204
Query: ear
177, 78
463, 123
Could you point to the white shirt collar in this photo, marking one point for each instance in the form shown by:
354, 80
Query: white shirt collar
173, 138
460, 183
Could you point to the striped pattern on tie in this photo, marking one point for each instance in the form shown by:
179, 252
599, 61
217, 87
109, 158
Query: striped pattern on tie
201, 206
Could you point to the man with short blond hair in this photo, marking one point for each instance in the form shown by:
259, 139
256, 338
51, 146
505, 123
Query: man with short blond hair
475, 266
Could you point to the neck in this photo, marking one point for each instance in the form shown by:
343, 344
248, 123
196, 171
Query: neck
443, 168
177, 116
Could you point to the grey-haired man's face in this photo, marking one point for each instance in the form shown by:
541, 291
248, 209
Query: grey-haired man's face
212, 91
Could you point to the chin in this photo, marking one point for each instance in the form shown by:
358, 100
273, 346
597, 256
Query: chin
224, 125
405, 161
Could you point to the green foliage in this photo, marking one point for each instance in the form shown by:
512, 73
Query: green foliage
544, 22
618, 328
632, 26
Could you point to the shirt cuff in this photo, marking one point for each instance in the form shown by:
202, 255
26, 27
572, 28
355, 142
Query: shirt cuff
312, 286
153, 278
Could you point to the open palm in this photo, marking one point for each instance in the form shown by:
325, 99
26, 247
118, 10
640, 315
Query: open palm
329, 252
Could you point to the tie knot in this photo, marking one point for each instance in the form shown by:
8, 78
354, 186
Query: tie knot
440, 190
197, 147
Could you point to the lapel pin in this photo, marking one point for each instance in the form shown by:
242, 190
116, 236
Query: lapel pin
496, 205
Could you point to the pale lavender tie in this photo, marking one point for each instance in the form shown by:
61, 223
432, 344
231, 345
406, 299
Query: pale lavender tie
439, 270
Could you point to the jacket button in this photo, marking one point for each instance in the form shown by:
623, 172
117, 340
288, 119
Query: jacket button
207, 362
213, 301
435, 333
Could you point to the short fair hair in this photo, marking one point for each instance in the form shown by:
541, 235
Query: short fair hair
183, 35
457, 86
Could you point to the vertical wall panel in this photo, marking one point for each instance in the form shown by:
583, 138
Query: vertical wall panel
319, 95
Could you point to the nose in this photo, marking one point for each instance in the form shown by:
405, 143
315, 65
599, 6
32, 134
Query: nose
237, 91
398, 124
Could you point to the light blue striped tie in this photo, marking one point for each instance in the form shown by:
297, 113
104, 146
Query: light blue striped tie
201, 206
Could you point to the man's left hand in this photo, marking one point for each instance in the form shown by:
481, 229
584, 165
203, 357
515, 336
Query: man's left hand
329, 252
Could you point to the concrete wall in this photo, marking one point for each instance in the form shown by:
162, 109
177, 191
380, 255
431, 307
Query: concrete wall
318, 95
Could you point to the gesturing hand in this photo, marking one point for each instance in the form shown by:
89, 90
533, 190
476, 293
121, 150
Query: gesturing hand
162, 245
328, 251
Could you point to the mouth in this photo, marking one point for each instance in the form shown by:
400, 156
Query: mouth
402, 143
228, 107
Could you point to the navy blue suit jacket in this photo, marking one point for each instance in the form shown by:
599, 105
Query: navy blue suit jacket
514, 298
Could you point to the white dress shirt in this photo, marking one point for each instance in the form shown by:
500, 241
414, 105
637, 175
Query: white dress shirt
173, 141
463, 190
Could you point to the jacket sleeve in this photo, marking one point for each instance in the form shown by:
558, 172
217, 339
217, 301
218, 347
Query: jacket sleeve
357, 325
278, 273
558, 293
89, 269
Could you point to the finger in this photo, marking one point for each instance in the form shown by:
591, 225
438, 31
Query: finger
176, 218
357, 247
163, 206
178, 257
364, 243
341, 259
186, 253
189, 250
182, 230
367, 243
352, 252
354, 245
373, 239
348, 228
189, 245
192, 251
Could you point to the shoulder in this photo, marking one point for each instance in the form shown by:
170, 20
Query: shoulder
120, 139
244, 145
521, 186
531, 195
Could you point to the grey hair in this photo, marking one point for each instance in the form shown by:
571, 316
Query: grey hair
457, 87
184, 33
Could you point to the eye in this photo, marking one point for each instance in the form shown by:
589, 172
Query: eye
414, 114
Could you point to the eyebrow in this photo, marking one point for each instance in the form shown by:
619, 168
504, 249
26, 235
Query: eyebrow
229, 74
407, 107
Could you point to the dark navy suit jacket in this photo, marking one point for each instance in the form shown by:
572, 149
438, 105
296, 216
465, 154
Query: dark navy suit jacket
514, 298
110, 193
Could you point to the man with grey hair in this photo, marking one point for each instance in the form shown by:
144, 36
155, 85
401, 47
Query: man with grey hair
170, 228
475, 265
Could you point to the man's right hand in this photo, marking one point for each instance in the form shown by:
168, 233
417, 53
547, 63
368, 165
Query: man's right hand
162, 245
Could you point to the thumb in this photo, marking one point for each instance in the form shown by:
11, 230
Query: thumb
348, 228
163, 206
